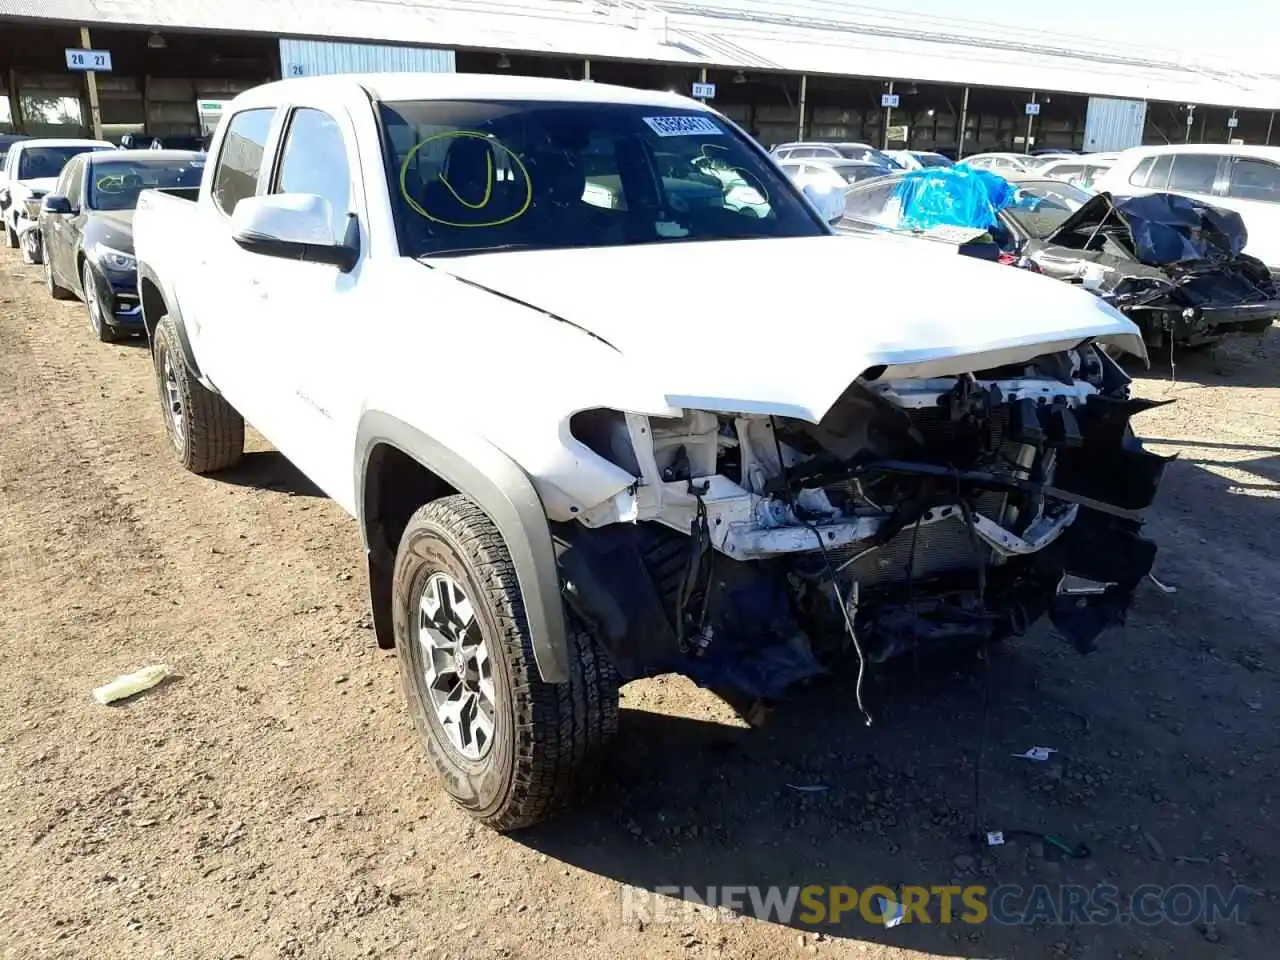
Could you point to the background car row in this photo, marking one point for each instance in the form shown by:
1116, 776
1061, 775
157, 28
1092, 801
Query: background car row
1175, 265
70, 205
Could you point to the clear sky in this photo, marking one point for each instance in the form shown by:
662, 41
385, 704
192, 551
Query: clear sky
1249, 29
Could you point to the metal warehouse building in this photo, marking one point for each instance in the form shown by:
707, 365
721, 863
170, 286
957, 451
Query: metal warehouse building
785, 70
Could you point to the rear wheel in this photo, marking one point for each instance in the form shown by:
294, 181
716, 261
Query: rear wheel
204, 430
510, 749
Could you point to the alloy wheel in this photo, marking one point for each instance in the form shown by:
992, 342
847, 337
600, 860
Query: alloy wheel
173, 400
91, 302
457, 672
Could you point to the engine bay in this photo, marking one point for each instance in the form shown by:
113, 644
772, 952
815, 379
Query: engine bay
916, 516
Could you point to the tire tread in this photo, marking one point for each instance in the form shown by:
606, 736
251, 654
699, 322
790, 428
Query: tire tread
214, 430
562, 731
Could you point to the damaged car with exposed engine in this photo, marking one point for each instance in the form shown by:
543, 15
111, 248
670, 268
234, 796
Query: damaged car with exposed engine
596, 425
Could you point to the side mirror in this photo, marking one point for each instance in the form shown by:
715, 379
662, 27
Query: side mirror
294, 226
830, 204
56, 204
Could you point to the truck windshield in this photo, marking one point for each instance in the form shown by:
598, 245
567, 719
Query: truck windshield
115, 184
471, 177
38, 163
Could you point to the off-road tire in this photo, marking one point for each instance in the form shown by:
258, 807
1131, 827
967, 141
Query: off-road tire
211, 434
550, 740
56, 290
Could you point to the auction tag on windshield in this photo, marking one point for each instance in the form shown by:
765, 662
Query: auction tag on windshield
685, 126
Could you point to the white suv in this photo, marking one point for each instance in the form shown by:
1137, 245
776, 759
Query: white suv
1239, 178
31, 168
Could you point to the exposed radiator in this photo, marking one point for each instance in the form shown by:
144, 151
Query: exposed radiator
943, 546
939, 547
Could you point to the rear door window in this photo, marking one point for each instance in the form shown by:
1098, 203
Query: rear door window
1194, 172
1254, 180
1140, 173
240, 158
1158, 179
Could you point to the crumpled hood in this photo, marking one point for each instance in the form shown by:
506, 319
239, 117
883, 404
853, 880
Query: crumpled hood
1163, 228
784, 326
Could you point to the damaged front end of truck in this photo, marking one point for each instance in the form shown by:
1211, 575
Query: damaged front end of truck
917, 516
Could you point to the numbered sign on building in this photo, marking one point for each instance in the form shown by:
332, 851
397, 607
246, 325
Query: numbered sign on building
704, 91
84, 61
889, 100
1033, 109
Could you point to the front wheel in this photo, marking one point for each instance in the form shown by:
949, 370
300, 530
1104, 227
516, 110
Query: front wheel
510, 749
32, 247
93, 304
204, 430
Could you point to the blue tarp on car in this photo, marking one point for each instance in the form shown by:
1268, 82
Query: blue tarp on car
956, 196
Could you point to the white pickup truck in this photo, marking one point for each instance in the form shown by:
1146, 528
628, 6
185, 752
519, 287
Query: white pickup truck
599, 419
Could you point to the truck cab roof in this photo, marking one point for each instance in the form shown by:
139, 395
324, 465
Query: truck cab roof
461, 86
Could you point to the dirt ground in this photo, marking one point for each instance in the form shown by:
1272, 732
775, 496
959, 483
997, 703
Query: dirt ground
272, 801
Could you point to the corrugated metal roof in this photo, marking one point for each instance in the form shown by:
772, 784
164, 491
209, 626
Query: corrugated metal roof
814, 36
317, 58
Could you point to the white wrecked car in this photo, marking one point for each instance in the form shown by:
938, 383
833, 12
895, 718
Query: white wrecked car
591, 441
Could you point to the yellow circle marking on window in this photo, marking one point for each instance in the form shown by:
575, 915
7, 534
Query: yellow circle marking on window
735, 170
488, 190
111, 183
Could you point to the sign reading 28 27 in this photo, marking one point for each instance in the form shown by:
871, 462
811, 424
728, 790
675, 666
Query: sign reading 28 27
98, 61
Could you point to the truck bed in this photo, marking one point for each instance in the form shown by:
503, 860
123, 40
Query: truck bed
162, 230
189, 194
